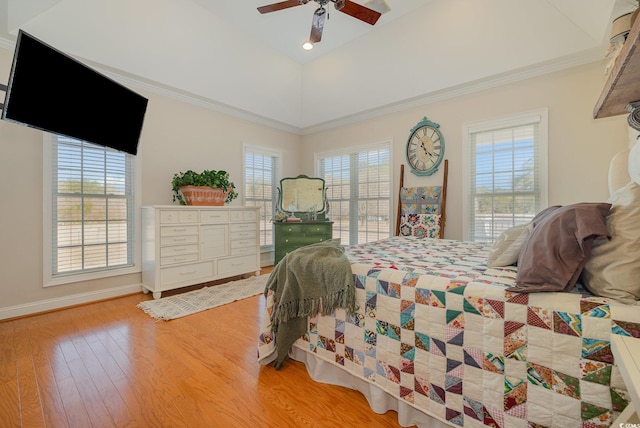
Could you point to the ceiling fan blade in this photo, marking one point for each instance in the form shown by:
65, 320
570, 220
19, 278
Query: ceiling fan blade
360, 12
318, 25
279, 6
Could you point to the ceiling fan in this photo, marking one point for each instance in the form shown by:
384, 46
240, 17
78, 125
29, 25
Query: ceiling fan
355, 10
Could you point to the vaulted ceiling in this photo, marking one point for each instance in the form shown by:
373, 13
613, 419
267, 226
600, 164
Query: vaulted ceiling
224, 54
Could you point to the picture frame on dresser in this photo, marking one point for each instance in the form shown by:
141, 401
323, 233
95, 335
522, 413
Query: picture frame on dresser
189, 245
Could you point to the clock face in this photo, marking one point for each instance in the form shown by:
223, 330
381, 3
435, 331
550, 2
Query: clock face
425, 148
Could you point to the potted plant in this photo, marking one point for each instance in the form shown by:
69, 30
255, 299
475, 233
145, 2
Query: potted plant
192, 188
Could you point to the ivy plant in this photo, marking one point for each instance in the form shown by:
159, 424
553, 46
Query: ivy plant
211, 178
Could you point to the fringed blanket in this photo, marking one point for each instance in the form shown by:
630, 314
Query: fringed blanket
311, 280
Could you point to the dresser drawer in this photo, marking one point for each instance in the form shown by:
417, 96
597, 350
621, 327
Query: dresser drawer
239, 243
300, 240
292, 228
252, 234
237, 264
244, 215
318, 229
172, 260
244, 250
178, 250
167, 216
189, 216
241, 227
214, 216
178, 216
178, 231
178, 240
173, 275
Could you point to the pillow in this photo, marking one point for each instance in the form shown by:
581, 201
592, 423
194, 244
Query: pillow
555, 253
544, 214
506, 249
613, 268
420, 225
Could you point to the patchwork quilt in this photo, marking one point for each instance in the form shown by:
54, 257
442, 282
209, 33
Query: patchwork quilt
436, 328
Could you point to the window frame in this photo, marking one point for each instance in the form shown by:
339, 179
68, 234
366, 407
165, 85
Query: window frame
247, 147
352, 151
539, 116
49, 279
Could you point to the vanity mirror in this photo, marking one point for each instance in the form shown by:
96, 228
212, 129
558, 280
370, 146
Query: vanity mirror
302, 203
302, 195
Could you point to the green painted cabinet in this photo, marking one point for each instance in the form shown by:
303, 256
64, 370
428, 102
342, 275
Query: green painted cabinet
290, 236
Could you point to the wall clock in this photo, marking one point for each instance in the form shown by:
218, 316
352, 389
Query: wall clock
425, 147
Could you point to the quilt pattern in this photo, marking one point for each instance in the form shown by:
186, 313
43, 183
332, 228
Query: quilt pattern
436, 328
420, 225
420, 200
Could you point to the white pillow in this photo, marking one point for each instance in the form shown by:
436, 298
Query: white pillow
506, 249
613, 267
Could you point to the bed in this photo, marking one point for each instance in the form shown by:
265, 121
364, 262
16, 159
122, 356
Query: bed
447, 340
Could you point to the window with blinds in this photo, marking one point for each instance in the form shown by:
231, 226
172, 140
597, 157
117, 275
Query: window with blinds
261, 179
92, 208
506, 174
359, 192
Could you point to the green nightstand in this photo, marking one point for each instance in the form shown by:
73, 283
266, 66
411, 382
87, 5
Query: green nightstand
290, 236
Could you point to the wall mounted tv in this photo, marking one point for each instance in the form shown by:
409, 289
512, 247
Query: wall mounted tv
51, 91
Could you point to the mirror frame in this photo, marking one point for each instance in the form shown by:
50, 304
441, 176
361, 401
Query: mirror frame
282, 197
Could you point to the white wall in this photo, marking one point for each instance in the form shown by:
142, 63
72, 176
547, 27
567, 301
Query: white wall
176, 136
580, 147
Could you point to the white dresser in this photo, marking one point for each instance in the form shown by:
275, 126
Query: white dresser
185, 245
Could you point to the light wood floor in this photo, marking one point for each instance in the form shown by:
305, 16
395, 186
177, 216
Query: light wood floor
108, 364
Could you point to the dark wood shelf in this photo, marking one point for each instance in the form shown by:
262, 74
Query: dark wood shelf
623, 84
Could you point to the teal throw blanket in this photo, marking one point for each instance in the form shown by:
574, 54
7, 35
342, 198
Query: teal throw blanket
315, 279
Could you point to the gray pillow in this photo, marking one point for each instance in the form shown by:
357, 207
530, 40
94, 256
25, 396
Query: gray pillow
506, 249
613, 267
555, 253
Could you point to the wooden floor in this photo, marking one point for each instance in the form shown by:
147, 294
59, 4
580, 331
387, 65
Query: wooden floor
109, 364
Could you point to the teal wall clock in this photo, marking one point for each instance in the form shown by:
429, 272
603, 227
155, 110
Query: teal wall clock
425, 147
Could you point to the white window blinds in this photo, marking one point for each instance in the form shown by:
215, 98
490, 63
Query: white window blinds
93, 208
506, 179
359, 192
261, 179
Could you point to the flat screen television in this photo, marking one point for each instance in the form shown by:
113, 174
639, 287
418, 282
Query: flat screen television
51, 91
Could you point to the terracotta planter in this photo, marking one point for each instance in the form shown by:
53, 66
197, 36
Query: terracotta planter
203, 196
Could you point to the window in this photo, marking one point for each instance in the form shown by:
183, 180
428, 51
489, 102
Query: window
359, 192
92, 223
261, 179
506, 174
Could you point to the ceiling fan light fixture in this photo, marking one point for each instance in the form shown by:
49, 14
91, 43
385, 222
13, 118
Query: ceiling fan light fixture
307, 46
378, 5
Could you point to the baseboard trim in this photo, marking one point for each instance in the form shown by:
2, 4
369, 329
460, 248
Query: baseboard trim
66, 301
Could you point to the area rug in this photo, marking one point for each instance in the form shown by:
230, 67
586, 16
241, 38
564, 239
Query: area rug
181, 305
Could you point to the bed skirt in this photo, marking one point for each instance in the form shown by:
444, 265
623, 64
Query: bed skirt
379, 400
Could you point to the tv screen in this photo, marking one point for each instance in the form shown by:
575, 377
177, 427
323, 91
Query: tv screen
51, 91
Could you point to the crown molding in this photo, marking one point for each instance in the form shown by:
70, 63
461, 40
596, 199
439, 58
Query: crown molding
516, 75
